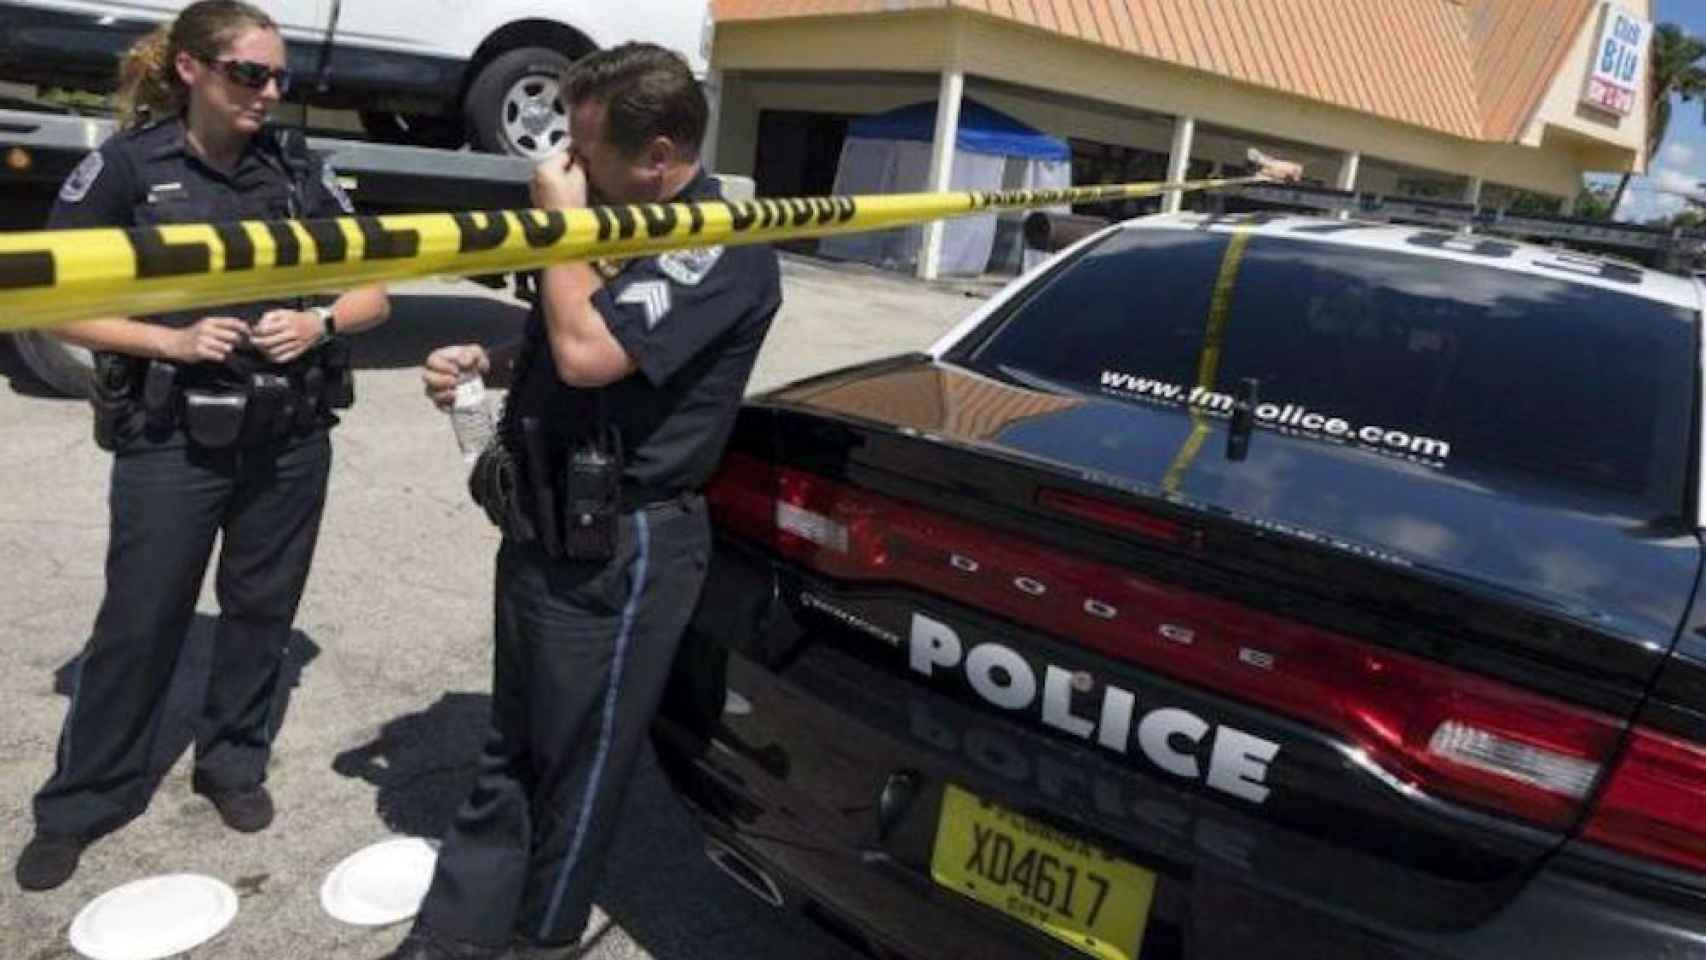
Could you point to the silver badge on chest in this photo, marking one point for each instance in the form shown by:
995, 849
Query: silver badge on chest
689, 267
329, 177
77, 185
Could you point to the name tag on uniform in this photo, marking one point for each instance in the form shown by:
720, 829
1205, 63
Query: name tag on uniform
166, 191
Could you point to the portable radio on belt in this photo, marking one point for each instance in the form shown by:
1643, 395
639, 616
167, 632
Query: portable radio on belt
592, 494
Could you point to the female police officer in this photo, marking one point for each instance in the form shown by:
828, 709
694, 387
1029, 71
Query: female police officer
218, 424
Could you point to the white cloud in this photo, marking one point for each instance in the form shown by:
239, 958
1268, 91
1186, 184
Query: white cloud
1668, 178
1639, 206
1675, 171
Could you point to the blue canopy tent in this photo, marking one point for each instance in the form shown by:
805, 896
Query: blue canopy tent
982, 130
890, 153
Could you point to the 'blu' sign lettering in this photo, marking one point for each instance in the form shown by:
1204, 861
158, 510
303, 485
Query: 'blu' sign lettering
1622, 50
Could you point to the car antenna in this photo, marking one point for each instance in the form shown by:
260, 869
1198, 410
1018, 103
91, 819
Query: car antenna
1243, 419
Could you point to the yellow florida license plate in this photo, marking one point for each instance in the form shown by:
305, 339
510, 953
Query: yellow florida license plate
1034, 873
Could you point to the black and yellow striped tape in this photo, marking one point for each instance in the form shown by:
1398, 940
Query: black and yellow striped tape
1208, 358
57, 276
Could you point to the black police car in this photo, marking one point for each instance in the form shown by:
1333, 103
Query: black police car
1280, 587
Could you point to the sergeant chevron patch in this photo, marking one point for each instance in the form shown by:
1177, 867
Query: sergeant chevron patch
651, 296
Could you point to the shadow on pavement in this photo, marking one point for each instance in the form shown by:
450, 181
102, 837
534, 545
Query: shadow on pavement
658, 887
663, 892
422, 763
180, 724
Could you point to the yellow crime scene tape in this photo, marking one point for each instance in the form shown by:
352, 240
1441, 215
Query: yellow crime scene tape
1208, 360
58, 276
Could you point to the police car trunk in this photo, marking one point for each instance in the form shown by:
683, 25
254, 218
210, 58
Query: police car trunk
1291, 587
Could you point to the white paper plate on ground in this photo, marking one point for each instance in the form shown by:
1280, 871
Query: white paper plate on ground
380, 884
154, 918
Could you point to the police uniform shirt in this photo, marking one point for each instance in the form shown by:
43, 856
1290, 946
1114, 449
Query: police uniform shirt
150, 177
693, 322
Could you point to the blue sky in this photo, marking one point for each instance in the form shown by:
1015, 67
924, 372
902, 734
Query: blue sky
1681, 162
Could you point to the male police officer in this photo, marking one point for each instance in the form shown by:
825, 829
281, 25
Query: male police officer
626, 389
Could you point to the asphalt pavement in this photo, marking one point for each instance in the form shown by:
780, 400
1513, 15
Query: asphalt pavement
389, 667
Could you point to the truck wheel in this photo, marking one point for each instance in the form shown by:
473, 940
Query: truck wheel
445, 133
515, 105
60, 365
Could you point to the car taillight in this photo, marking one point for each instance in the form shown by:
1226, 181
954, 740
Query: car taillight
742, 497
1413, 721
1655, 803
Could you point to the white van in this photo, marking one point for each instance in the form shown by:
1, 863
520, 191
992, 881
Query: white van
426, 72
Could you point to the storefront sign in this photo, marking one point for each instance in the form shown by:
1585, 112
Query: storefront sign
1619, 57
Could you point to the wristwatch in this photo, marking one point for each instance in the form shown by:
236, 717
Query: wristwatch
330, 320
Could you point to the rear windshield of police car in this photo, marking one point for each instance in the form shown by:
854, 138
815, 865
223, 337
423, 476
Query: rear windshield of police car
1445, 363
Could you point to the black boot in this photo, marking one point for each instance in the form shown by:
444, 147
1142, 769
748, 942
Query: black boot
47, 861
246, 810
524, 949
423, 944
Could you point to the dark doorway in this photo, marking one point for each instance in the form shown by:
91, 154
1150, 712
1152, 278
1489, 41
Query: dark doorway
798, 154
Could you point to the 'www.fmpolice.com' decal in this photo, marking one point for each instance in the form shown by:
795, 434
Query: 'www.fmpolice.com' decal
1289, 417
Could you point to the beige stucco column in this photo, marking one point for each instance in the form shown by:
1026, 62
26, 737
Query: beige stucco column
1349, 166
713, 120
942, 164
1179, 163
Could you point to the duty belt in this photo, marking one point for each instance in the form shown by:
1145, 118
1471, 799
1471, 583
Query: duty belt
531, 508
214, 408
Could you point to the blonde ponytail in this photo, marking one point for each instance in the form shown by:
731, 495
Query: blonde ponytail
148, 86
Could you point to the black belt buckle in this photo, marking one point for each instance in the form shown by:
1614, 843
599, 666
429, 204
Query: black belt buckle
214, 420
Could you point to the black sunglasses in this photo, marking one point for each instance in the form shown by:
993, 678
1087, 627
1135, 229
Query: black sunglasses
253, 75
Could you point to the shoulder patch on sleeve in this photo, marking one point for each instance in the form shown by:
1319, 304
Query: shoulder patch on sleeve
689, 267
329, 177
77, 185
651, 296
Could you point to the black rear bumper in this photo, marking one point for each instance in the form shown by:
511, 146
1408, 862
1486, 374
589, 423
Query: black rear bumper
784, 749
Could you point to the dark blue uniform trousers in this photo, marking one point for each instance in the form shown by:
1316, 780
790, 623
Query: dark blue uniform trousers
583, 654
168, 502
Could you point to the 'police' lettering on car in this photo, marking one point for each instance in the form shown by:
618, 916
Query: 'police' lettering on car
1171, 738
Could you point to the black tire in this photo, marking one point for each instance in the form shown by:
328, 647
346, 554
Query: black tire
445, 133
492, 117
69, 370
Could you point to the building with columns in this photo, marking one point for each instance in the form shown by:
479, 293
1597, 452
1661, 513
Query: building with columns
1460, 99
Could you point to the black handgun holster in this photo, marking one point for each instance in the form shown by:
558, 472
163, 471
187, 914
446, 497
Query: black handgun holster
110, 395
339, 375
494, 485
